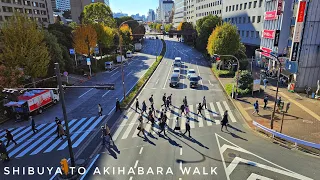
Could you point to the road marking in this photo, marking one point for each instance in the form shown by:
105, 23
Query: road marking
87, 170
85, 93
198, 69
130, 62
164, 86
105, 93
126, 133
183, 123
214, 113
141, 149
208, 120
254, 176
129, 73
130, 178
229, 112
123, 123
210, 83
220, 109
136, 164
192, 116
114, 73
181, 151
157, 81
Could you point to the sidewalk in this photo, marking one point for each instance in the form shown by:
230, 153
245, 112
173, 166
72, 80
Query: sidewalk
302, 120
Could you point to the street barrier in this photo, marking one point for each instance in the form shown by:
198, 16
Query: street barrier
286, 137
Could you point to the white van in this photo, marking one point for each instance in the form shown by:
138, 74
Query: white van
129, 54
108, 65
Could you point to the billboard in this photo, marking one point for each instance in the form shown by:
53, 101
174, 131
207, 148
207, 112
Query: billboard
269, 34
270, 15
266, 52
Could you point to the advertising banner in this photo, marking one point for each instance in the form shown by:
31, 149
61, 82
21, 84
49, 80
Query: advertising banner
299, 24
279, 7
269, 34
294, 50
270, 15
276, 38
266, 52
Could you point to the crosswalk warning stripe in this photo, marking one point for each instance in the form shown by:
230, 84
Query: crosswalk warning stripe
121, 126
133, 120
192, 117
229, 112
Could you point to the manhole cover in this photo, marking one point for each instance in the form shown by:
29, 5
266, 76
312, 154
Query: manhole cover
307, 121
232, 155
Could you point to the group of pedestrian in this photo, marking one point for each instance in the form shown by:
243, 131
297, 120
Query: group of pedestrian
3, 148
105, 130
167, 101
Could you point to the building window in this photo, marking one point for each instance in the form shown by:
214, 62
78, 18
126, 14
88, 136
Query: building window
235, 20
260, 3
239, 20
244, 19
226, 9
248, 19
250, 3
257, 34
247, 33
240, 6
254, 4
20, 10
233, 8
229, 8
44, 20
253, 19
6, 1
239, 32
7, 9
28, 11
237, 7
245, 6
259, 19
242, 33
252, 34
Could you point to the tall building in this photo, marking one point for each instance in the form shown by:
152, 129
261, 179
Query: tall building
77, 7
179, 12
151, 15
204, 8
62, 5
119, 14
166, 10
190, 10
39, 10
158, 15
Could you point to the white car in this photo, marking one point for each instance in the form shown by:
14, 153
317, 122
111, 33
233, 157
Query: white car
178, 61
176, 71
190, 73
129, 54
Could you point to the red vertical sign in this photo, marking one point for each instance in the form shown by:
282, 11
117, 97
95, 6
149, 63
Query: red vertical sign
302, 8
279, 7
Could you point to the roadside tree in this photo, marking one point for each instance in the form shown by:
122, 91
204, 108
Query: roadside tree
84, 37
98, 12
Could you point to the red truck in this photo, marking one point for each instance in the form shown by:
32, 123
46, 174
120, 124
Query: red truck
31, 102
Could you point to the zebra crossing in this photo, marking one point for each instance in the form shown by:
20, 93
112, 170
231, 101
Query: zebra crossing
211, 116
45, 140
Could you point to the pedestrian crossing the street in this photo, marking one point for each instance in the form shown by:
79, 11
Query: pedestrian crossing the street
210, 116
45, 140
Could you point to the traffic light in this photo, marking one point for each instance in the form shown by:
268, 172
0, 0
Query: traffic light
64, 166
215, 58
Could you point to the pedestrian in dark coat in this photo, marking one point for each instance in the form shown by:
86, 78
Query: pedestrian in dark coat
137, 105
61, 131
9, 137
118, 105
168, 104
100, 109
265, 100
33, 125
163, 125
151, 99
170, 99
144, 107
153, 110
141, 125
204, 102
224, 120
164, 98
57, 120
187, 128
182, 107
200, 109
185, 102
4, 152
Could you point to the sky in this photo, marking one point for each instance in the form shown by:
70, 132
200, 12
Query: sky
133, 6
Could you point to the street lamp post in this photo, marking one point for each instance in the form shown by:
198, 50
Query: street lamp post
279, 71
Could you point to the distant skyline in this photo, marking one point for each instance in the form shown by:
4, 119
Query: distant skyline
133, 7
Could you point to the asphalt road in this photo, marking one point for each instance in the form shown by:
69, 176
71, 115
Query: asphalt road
209, 153
43, 149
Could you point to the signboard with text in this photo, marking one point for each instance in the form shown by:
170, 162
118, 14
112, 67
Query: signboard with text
279, 7
270, 15
291, 66
88, 61
276, 38
299, 24
294, 50
266, 52
269, 34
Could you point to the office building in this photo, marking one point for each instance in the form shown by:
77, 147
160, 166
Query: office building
158, 15
61, 5
166, 10
206, 7
190, 11
118, 15
77, 7
151, 16
38, 10
179, 12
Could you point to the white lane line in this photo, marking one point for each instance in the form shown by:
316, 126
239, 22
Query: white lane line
130, 62
207, 115
126, 133
233, 119
183, 123
141, 149
114, 73
105, 93
164, 86
220, 109
210, 83
85, 93
157, 81
130, 178
181, 151
94, 160
198, 69
136, 164
129, 73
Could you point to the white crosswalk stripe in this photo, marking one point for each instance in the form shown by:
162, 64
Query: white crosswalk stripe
133, 120
45, 141
214, 113
229, 112
122, 125
192, 117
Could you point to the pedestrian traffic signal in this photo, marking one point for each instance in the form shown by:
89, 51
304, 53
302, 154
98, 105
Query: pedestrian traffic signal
64, 166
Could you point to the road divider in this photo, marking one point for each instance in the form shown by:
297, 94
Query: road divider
140, 84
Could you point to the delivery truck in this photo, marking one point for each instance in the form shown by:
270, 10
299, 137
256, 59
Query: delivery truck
137, 47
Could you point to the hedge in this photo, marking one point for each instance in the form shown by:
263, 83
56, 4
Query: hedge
144, 79
222, 73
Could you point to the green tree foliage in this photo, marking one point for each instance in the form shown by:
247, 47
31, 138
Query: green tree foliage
10, 77
224, 40
167, 27
63, 34
73, 25
245, 80
105, 35
204, 27
98, 12
158, 27
125, 32
55, 52
24, 46
134, 25
123, 19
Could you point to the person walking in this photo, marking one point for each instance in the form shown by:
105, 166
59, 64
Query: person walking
4, 152
161, 114
144, 107
151, 99
265, 100
185, 102
256, 107
182, 108
151, 119
278, 103
199, 109
118, 105
103, 134
168, 104
137, 105
204, 102
153, 110
177, 127
57, 120
265, 82
162, 125
164, 98
9, 138
33, 125
224, 120
108, 132
100, 109
287, 107
141, 126
61, 131
170, 99
187, 128
187, 111
149, 113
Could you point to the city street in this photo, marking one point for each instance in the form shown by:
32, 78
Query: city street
43, 148
237, 153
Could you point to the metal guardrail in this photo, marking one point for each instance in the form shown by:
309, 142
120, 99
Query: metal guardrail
286, 137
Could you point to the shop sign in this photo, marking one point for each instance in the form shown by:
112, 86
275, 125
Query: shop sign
276, 38
294, 53
270, 15
279, 7
299, 24
269, 34
266, 52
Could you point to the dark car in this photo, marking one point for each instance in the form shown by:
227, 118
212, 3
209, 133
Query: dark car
194, 79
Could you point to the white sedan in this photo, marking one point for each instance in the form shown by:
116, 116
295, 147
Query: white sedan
191, 72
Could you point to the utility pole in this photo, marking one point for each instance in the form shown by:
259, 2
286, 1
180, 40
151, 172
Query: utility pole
57, 69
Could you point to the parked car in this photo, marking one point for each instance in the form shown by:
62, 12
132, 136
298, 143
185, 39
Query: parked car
109, 65
129, 54
190, 73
